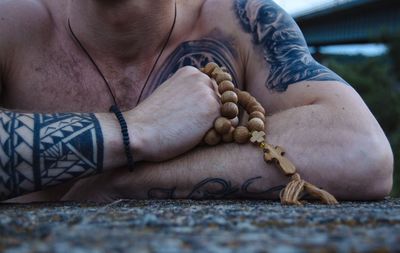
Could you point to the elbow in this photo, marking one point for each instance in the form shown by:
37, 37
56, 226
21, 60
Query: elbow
373, 177
381, 174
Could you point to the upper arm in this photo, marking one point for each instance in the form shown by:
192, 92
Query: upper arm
279, 59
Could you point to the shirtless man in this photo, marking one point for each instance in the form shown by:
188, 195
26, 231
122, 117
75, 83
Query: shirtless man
55, 126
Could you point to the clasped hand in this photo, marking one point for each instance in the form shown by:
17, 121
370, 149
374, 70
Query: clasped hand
175, 118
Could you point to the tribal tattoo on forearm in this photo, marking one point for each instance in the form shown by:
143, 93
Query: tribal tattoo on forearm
217, 188
41, 150
278, 38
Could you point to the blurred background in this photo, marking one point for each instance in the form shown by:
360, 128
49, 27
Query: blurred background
359, 40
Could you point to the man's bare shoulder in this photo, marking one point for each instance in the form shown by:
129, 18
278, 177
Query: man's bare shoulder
24, 24
218, 13
243, 20
218, 18
22, 21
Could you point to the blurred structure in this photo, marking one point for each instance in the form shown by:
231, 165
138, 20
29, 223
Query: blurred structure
351, 22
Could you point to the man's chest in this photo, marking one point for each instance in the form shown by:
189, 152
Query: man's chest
60, 78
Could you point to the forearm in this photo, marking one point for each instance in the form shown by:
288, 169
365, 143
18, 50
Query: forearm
338, 147
156, 134
224, 171
326, 151
239, 171
42, 150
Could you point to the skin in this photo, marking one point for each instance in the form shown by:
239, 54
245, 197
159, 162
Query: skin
324, 125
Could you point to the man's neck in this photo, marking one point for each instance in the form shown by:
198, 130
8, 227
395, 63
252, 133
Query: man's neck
126, 29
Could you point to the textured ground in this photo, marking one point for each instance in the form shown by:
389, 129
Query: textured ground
193, 226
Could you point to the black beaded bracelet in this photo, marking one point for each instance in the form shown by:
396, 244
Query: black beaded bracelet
125, 136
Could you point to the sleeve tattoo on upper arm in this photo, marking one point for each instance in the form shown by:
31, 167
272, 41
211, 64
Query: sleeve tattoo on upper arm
282, 43
40, 150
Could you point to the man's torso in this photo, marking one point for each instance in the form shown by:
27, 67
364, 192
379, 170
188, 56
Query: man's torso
50, 72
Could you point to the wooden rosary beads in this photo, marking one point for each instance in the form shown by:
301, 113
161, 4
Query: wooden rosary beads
227, 129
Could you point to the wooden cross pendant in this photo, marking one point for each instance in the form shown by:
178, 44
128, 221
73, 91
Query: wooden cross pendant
276, 155
257, 137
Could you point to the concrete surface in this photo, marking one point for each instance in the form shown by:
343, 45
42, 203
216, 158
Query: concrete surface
200, 226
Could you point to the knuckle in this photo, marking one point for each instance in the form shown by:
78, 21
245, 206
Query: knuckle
189, 70
196, 74
205, 90
212, 99
202, 84
203, 77
196, 77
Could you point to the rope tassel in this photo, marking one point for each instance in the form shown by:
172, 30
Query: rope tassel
324, 196
291, 195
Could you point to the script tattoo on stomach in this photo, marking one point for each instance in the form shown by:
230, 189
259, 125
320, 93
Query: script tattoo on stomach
278, 38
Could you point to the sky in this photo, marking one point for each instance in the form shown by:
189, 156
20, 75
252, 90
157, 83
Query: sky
295, 6
299, 6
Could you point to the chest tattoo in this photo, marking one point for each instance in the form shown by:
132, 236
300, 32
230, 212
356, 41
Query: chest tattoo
197, 53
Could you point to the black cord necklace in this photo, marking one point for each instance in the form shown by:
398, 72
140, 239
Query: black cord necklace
101, 73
